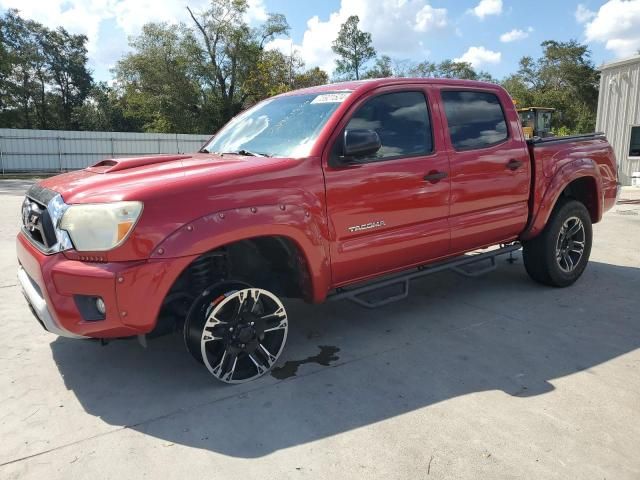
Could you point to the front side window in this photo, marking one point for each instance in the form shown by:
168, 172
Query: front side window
475, 119
284, 126
634, 147
401, 120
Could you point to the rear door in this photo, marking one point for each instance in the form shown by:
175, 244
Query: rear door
490, 167
384, 214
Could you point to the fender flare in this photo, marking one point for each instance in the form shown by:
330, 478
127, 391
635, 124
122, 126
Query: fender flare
298, 224
565, 175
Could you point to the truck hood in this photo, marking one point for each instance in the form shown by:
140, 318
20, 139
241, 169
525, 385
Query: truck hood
136, 178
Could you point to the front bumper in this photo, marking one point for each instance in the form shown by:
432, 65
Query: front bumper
133, 292
38, 305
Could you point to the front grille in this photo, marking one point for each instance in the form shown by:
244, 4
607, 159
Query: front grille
36, 220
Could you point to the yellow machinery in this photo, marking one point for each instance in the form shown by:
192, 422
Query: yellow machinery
536, 121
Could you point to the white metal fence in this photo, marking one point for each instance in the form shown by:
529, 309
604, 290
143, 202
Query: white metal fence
62, 150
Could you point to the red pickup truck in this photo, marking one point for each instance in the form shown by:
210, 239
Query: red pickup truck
337, 191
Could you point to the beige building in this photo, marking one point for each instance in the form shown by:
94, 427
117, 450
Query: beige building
619, 113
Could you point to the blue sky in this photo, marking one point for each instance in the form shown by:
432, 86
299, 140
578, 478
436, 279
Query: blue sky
491, 34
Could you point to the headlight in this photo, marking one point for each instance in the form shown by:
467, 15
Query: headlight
99, 227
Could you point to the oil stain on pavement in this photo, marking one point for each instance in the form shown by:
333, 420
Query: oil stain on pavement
290, 368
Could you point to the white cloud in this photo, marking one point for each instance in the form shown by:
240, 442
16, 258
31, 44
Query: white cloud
617, 25
89, 17
486, 8
257, 11
583, 14
515, 35
479, 56
285, 45
397, 27
429, 18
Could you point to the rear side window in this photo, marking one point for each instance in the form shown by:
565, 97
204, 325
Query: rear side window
475, 119
401, 121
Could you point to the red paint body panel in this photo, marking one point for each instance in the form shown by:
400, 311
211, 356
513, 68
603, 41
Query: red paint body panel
489, 202
414, 211
556, 165
59, 279
198, 202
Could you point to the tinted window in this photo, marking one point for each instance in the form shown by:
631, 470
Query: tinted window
401, 121
634, 147
475, 119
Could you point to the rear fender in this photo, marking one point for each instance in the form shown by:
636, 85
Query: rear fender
571, 171
303, 227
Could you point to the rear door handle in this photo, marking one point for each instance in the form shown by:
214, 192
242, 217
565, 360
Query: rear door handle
514, 164
435, 176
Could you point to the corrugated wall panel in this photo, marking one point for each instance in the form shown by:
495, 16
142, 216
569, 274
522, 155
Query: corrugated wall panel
619, 110
52, 150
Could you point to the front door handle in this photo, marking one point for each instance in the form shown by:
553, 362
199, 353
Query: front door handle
514, 164
435, 176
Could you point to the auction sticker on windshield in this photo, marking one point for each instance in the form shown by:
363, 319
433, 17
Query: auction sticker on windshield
337, 97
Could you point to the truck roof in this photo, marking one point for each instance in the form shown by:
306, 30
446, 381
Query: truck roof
370, 84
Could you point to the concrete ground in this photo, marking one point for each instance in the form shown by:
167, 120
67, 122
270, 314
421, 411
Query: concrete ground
492, 377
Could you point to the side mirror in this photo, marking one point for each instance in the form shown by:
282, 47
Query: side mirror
361, 143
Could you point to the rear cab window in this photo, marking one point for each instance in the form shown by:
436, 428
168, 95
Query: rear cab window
476, 119
401, 120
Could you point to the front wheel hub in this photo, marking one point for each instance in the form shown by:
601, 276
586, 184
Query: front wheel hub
243, 335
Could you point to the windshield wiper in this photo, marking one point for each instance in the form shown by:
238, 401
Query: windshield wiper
246, 153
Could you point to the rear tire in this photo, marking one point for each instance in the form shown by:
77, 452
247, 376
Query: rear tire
558, 256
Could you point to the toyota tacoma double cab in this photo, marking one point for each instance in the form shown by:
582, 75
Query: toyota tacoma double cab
333, 191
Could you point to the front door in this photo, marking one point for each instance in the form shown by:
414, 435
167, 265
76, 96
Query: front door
389, 211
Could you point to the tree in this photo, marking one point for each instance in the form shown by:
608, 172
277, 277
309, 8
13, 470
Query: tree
103, 111
381, 69
272, 74
66, 62
277, 73
448, 69
231, 49
43, 74
310, 78
354, 49
158, 84
564, 78
22, 62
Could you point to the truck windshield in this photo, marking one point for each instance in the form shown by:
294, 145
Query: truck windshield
279, 127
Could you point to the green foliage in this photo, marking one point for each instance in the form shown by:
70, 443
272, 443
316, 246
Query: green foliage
562, 131
310, 78
158, 81
563, 78
385, 66
449, 69
229, 50
272, 75
382, 68
43, 74
103, 110
354, 49
195, 77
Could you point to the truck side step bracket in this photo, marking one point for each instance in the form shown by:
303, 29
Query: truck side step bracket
470, 272
364, 302
402, 281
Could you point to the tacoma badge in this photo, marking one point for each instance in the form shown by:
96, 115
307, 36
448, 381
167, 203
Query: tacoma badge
367, 226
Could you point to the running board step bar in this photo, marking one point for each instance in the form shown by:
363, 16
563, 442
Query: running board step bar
403, 280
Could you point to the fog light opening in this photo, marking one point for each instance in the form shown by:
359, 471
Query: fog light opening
100, 306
